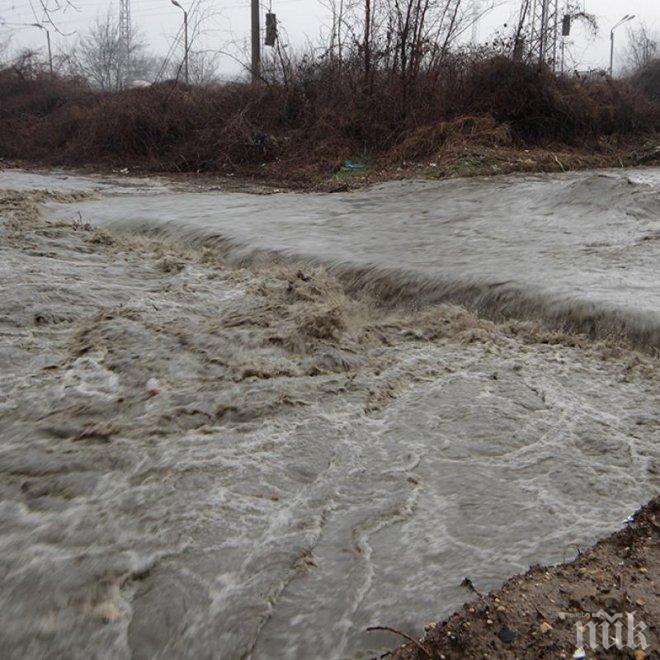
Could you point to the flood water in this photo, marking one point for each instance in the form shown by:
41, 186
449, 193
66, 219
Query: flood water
578, 249
289, 487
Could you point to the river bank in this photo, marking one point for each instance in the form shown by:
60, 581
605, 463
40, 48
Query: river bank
322, 128
204, 451
471, 155
536, 615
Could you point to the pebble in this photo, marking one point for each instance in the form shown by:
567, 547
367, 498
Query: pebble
545, 627
506, 635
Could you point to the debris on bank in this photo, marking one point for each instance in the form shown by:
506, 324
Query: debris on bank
560, 612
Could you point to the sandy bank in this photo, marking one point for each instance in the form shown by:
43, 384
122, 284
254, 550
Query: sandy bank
535, 615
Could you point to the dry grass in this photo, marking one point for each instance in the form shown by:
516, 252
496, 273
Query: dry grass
313, 122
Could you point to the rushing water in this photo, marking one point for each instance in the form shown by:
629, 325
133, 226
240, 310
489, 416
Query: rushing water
578, 249
273, 501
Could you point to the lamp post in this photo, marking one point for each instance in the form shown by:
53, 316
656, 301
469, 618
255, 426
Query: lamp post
255, 24
185, 29
50, 52
625, 19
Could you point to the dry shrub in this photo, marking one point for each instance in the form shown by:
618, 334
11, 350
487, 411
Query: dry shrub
428, 140
320, 116
34, 94
647, 80
541, 106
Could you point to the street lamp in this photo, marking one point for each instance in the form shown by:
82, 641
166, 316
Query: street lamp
50, 52
185, 28
625, 19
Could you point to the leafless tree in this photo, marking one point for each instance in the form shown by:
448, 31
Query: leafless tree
98, 56
202, 67
643, 47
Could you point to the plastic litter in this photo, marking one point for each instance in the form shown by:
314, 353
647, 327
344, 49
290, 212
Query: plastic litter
153, 387
350, 165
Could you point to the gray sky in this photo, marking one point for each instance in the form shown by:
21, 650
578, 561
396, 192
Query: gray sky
227, 25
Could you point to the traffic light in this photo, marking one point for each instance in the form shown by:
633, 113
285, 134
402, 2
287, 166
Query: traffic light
271, 29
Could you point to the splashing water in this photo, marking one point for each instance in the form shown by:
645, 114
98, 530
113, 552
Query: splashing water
310, 466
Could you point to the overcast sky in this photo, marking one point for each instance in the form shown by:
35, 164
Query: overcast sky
227, 25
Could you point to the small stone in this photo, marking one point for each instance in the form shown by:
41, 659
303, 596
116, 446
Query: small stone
501, 608
641, 602
489, 622
506, 635
545, 627
561, 616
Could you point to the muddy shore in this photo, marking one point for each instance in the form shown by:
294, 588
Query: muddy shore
196, 453
535, 615
464, 159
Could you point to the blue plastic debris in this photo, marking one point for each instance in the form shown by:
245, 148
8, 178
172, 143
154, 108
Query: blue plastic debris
350, 165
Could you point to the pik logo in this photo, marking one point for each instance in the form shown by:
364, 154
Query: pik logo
606, 631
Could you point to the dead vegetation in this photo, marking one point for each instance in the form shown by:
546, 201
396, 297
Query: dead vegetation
305, 125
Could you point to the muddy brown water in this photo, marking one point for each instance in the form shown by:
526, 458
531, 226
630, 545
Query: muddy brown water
579, 250
274, 502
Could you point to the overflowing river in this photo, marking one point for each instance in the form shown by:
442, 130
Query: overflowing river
207, 461
578, 249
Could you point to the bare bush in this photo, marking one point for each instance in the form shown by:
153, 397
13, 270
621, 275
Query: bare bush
643, 47
315, 119
98, 57
647, 80
391, 81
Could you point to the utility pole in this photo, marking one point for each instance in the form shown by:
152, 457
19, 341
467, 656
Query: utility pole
124, 42
256, 42
186, 72
477, 10
543, 31
566, 22
50, 51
